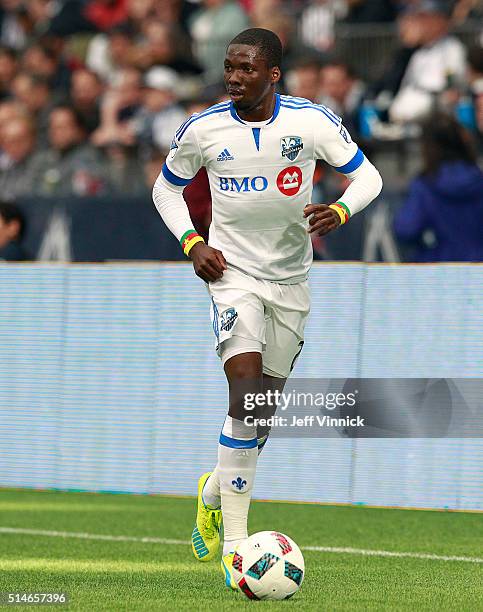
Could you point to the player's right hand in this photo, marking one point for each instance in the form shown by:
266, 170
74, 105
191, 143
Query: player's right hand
209, 263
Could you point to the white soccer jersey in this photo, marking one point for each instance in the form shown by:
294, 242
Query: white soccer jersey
261, 179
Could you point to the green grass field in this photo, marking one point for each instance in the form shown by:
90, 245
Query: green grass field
159, 575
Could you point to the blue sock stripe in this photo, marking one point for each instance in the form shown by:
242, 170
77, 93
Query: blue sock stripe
236, 443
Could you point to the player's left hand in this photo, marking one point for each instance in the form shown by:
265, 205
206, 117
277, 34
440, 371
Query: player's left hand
323, 220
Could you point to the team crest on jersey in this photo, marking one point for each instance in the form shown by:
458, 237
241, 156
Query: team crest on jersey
291, 146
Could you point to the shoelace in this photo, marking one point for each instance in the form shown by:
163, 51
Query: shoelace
211, 524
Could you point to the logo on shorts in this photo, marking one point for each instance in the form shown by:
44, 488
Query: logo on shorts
289, 180
227, 319
291, 146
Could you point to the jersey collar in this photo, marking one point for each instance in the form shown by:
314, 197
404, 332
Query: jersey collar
276, 110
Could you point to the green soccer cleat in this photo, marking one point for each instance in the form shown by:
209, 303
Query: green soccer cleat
205, 539
227, 571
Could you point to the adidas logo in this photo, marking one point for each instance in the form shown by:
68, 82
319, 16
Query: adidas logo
225, 155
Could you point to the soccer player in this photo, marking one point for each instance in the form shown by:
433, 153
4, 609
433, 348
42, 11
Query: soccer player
260, 150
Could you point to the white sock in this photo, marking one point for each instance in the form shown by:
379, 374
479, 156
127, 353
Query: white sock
211, 490
237, 461
230, 545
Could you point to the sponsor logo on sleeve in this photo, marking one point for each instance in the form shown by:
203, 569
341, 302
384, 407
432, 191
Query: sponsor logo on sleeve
173, 149
345, 134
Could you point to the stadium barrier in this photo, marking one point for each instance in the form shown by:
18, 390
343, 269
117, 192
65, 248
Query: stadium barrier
109, 381
130, 228
367, 47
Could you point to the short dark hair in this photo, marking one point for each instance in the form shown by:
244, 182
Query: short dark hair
9, 52
267, 41
336, 62
444, 139
76, 115
9, 212
475, 58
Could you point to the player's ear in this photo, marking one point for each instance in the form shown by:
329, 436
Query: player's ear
276, 74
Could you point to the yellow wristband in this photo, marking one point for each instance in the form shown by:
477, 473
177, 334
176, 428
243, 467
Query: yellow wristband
341, 212
191, 243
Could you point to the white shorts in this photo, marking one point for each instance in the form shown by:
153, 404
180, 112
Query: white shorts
253, 315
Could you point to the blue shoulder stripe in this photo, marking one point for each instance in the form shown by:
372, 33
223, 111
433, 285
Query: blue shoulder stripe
193, 118
196, 115
173, 178
296, 99
314, 107
353, 164
301, 101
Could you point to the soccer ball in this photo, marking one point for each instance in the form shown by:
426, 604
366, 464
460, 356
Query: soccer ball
268, 565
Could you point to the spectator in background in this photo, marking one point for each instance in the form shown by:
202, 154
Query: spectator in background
153, 162
35, 93
69, 17
108, 54
443, 212
40, 13
293, 50
212, 28
14, 24
475, 77
160, 115
261, 10
317, 23
17, 141
70, 166
105, 14
342, 92
123, 169
45, 61
12, 230
410, 37
138, 11
466, 9
8, 69
162, 47
85, 94
120, 103
11, 109
303, 80
176, 13
438, 64
370, 11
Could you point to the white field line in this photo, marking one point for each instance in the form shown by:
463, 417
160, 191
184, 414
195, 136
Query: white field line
167, 541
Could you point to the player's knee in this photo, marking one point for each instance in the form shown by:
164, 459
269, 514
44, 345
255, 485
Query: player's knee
247, 366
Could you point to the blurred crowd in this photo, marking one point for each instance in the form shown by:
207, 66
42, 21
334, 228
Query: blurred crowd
91, 91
